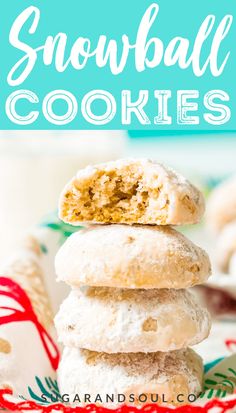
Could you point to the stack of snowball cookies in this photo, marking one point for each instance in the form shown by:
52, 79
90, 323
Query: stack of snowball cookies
129, 321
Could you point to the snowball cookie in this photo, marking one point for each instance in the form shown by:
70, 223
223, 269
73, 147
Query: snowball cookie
130, 191
82, 372
232, 269
221, 207
226, 246
125, 256
113, 320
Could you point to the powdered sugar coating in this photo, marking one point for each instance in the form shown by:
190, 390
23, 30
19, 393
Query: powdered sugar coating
113, 320
84, 372
131, 257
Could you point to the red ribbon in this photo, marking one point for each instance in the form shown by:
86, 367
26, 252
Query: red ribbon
231, 345
11, 289
222, 406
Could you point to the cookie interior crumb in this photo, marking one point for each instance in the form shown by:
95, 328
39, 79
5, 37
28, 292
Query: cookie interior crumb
117, 195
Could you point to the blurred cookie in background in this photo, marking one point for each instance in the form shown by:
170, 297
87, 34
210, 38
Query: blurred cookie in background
219, 298
221, 207
226, 249
219, 293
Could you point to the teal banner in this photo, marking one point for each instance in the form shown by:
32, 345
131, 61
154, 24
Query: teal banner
163, 65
